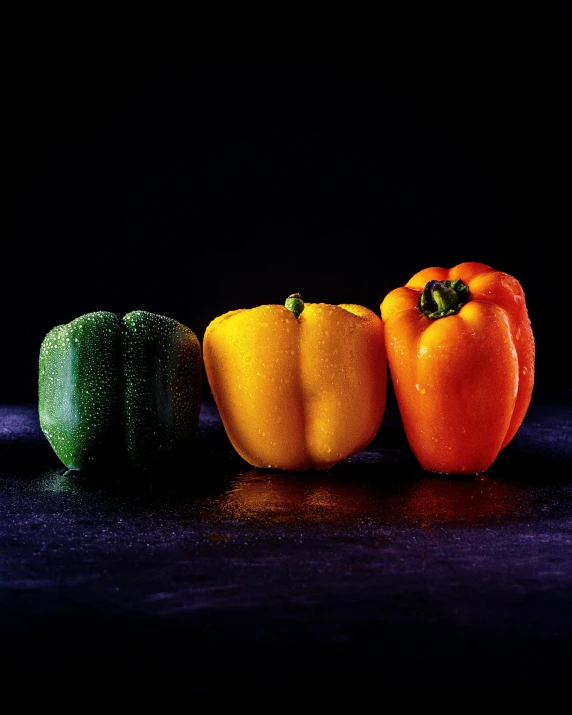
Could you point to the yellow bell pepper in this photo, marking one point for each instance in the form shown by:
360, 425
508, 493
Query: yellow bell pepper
298, 386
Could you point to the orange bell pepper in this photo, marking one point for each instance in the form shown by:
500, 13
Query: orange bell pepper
461, 352
299, 386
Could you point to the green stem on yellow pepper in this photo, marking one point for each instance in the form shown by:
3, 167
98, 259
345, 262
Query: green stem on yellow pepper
295, 304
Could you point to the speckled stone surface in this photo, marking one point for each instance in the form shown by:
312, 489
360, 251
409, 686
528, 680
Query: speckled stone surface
372, 576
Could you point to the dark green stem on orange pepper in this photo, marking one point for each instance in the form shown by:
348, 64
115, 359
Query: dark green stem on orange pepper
441, 298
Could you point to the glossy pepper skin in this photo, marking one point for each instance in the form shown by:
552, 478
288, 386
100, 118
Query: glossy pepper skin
119, 391
461, 353
297, 388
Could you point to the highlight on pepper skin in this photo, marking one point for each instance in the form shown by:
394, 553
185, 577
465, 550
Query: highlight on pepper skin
461, 352
299, 386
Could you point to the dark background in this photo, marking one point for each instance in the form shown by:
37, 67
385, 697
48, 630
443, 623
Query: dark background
149, 169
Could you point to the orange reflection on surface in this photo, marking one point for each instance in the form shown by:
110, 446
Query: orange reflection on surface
442, 500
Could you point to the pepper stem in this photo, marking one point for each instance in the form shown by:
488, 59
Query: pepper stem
295, 304
441, 298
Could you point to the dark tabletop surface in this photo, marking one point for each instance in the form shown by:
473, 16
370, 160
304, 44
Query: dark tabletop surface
371, 577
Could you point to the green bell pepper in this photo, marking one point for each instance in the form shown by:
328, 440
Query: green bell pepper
123, 391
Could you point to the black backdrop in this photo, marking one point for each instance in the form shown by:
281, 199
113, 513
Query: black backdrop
148, 172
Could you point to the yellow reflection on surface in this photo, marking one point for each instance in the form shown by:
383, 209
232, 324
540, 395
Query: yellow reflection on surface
284, 497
